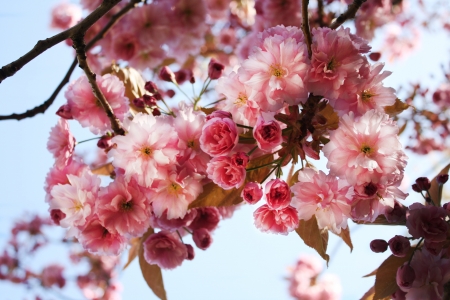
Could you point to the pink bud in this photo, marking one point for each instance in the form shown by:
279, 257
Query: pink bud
202, 238
267, 134
104, 142
167, 75
252, 192
405, 277
149, 100
190, 251
375, 56
378, 246
182, 75
57, 215
215, 69
156, 112
240, 159
151, 87
65, 112
278, 194
207, 217
139, 102
442, 178
399, 245
423, 183
170, 93
219, 114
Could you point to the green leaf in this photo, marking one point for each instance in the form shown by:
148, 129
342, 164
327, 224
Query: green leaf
313, 237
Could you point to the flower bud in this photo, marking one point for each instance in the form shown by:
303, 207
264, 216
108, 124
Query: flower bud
151, 87
278, 194
405, 277
215, 69
182, 75
170, 93
138, 102
252, 193
423, 183
166, 74
207, 217
190, 251
156, 112
378, 246
375, 56
434, 247
240, 159
219, 114
104, 142
399, 245
399, 295
442, 178
57, 215
65, 112
396, 214
416, 188
202, 238
149, 100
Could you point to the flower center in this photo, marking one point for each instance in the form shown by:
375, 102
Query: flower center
126, 205
78, 206
241, 100
366, 149
191, 144
366, 95
174, 188
332, 64
277, 71
147, 151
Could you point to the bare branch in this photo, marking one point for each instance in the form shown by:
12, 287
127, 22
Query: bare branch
40, 109
43, 45
305, 26
80, 47
349, 14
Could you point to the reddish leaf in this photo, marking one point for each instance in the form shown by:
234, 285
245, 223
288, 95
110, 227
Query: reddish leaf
331, 116
133, 252
436, 190
208, 111
369, 295
152, 273
314, 237
385, 283
345, 236
293, 179
373, 273
396, 109
213, 195
106, 170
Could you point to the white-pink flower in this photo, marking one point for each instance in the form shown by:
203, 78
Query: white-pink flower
219, 136
148, 151
225, 174
61, 143
324, 196
363, 148
87, 110
280, 221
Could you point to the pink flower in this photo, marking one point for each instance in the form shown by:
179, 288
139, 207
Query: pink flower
173, 194
202, 238
278, 72
335, 63
53, 275
148, 151
173, 224
267, 134
88, 111
123, 208
215, 69
323, 196
240, 159
219, 136
65, 15
366, 149
57, 215
441, 96
280, 221
61, 143
165, 250
224, 173
95, 238
252, 192
427, 222
206, 217
278, 194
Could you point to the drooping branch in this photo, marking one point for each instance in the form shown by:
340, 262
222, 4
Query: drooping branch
40, 109
305, 26
349, 14
43, 45
80, 48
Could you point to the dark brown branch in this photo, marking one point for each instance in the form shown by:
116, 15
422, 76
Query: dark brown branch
320, 12
43, 45
80, 48
44, 106
349, 14
305, 26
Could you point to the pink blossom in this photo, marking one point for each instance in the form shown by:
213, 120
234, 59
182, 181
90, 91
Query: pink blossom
123, 208
335, 63
324, 196
372, 15
442, 96
241, 100
165, 250
281, 30
206, 217
366, 149
215, 69
267, 134
252, 192
219, 136
95, 238
61, 143
217, 9
427, 222
280, 221
174, 193
275, 12
224, 173
240, 159
57, 215
278, 194
278, 72
164, 223
87, 110
148, 151
53, 275
65, 15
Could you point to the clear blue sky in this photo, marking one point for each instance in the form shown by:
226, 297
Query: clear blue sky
242, 263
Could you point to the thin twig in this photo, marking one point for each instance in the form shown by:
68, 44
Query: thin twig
320, 12
40, 109
80, 48
305, 26
43, 45
349, 14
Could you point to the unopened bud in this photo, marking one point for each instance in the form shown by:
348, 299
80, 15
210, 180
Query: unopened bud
170, 93
182, 75
190, 251
378, 246
442, 178
151, 87
156, 112
149, 100
219, 114
167, 75
215, 69
104, 142
138, 102
202, 238
57, 215
399, 245
405, 276
423, 183
375, 56
65, 112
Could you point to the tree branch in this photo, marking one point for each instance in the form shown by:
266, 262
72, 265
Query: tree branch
305, 26
44, 106
80, 48
320, 12
349, 14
